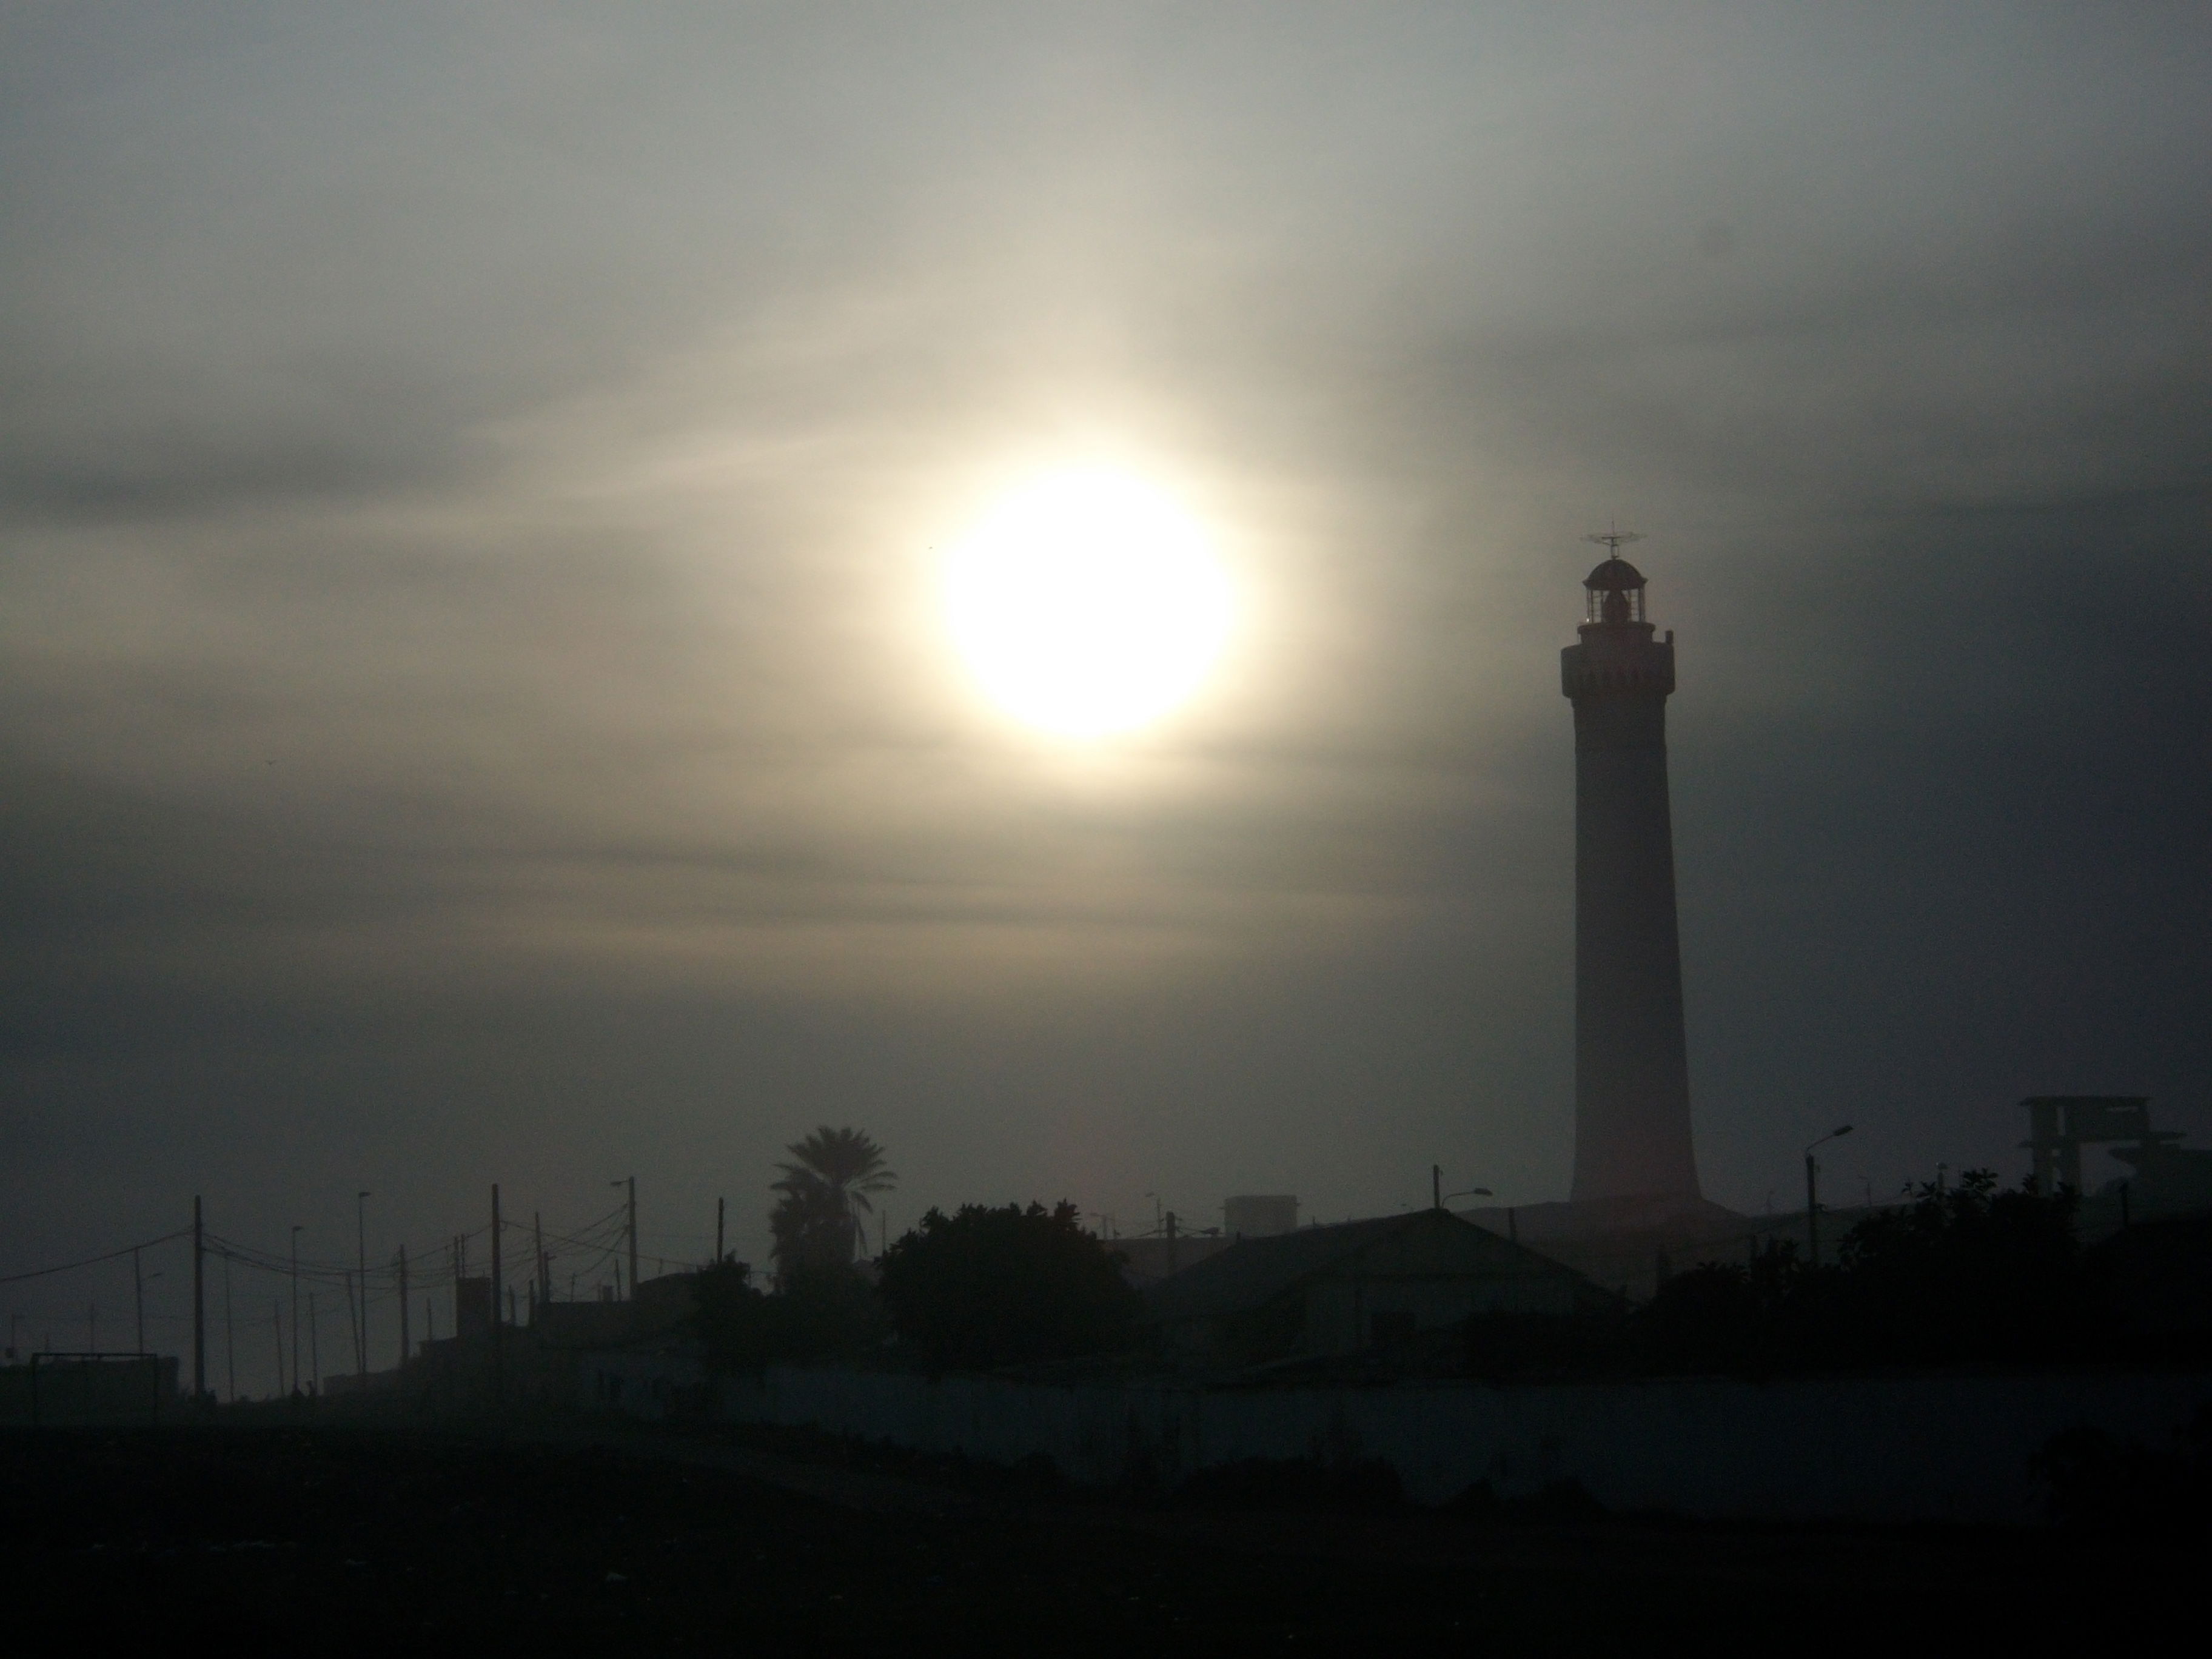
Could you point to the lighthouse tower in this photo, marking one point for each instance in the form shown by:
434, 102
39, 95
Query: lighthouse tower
1631, 1071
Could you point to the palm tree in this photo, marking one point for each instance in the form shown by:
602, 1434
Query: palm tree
816, 1222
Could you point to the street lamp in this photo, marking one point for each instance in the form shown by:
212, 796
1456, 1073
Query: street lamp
1812, 1195
1438, 1197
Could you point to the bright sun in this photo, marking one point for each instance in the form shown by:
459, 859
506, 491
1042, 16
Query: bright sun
1088, 603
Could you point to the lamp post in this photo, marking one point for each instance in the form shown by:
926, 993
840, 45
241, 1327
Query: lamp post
1438, 1197
1812, 1194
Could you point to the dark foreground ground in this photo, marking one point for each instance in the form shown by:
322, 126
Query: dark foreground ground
254, 1541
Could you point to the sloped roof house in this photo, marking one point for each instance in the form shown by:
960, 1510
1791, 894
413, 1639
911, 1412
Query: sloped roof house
1355, 1286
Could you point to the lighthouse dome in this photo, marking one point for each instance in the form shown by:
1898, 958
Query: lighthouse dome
1615, 575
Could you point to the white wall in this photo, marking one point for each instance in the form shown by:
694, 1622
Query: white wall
648, 1384
1877, 1449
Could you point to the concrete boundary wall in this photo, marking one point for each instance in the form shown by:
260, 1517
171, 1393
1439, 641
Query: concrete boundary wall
1893, 1448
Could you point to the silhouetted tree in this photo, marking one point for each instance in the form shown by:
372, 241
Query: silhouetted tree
1724, 1316
829, 1313
825, 1192
739, 1329
816, 1313
1971, 1272
1963, 1273
986, 1287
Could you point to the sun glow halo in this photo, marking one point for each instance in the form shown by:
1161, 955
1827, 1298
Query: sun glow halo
1088, 603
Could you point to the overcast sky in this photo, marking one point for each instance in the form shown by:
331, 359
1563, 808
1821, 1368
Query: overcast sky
477, 708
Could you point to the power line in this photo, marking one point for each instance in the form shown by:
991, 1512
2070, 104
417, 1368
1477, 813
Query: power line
94, 1260
587, 1250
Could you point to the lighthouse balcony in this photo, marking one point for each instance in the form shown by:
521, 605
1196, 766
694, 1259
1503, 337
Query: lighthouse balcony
1630, 667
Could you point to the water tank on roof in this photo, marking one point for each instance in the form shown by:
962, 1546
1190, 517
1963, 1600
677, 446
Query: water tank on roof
1260, 1216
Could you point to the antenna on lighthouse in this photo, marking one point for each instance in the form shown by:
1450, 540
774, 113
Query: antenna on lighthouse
1613, 540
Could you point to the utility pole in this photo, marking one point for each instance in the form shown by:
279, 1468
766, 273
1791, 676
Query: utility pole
360, 1243
498, 1359
229, 1332
353, 1326
720, 1205
545, 1291
199, 1306
406, 1328
138, 1297
633, 1238
295, 1314
277, 1325
1436, 1185
314, 1350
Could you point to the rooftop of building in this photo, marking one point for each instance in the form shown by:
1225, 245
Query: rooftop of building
1253, 1271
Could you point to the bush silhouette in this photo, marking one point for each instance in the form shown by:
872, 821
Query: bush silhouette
1964, 1274
818, 1313
988, 1287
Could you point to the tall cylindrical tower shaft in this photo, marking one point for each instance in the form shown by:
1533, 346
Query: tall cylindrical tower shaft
1632, 1066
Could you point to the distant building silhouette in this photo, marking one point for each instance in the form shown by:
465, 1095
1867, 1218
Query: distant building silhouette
472, 1308
2163, 1180
1256, 1216
2060, 1126
1631, 1068
1354, 1287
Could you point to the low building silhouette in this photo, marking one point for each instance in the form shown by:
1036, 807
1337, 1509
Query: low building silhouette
1154, 1256
2164, 1182
1147, 1260
1354, 1287
1629, 1246
59, 1389
1256, 1215
562, 1357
